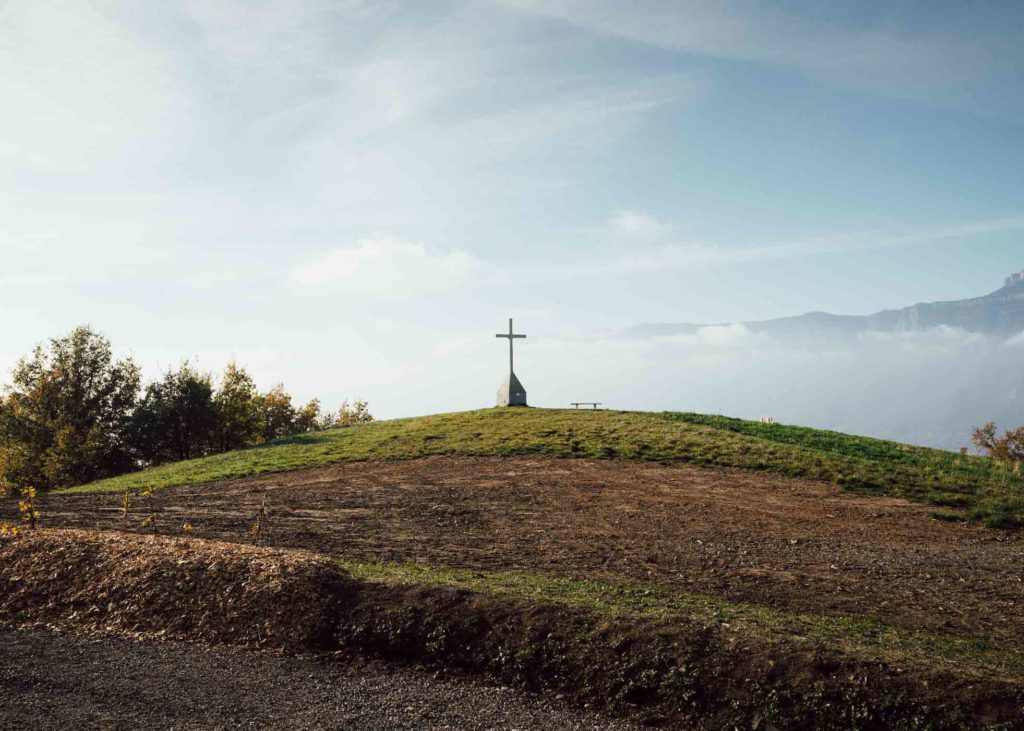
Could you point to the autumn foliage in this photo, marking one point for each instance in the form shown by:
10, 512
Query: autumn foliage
73, 413
65, 417
1008, 448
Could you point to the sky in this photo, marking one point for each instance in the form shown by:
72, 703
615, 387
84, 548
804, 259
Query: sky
353, 197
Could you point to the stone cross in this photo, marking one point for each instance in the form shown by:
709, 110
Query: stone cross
510, 337
511, 392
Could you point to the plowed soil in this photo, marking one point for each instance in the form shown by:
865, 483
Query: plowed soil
792, 544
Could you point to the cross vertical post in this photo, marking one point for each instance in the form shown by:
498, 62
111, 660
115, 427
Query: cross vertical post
511, 392
511, 336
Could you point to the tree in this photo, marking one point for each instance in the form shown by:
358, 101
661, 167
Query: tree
237, 406
356, 412
7, 453
176, 418
311, 418
66, 414
1009, 447
276, 414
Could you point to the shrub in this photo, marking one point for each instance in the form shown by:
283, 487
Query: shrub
354, 413
1007, 448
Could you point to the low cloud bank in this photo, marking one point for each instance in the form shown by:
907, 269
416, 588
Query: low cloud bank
925, 387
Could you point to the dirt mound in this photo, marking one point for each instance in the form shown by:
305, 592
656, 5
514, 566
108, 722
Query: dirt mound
673, 670
190, 589
790, 544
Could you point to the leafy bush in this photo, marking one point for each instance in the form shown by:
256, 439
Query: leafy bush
1008, 448
357, 412
73, 414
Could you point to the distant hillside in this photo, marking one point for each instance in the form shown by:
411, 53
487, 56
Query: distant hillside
998, 313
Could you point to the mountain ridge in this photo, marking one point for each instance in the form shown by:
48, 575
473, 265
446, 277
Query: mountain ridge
998, 313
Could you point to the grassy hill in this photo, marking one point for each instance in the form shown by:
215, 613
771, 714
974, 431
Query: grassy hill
978, 488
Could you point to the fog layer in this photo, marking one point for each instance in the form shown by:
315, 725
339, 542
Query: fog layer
925, 388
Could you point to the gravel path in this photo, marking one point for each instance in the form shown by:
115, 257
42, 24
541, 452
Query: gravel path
50, 681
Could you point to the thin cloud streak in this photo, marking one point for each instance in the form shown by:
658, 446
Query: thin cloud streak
382, 265
388, 267
684, 257
880, 56
636, 224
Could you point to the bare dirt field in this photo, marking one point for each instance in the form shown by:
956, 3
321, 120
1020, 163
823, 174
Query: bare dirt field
791, 544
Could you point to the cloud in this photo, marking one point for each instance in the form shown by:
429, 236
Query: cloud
31, 280
1017, 341
83, 96
454, 346
883, 53
716, 336
867, 384
635, 224
695, 255
588, 117
383, 265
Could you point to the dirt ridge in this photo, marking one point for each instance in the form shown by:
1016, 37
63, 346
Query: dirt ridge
101, 582
674, 671
791, 544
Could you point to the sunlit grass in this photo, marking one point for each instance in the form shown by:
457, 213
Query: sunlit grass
982, 489
866, 638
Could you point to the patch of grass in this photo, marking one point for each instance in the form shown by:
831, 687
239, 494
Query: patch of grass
999, 511
865, 638
990, 490
985, 489
948, 516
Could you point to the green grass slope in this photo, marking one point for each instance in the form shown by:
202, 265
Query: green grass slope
985, 490
867, 638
